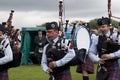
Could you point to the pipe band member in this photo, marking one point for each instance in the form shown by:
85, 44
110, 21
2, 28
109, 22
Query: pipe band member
54, 56
6, 54
107, 45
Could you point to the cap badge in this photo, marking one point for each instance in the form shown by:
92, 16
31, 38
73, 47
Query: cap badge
53, 25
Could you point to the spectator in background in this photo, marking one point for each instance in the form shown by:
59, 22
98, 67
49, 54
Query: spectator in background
40, 41
54, 57
88, 67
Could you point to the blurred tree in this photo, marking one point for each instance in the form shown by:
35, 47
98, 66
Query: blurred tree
92, 23
42, 25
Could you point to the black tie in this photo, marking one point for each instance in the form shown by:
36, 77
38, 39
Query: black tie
51, 42
104, 36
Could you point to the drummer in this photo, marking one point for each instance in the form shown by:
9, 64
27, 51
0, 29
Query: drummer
86, 68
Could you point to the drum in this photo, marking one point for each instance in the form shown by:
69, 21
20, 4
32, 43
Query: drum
81, 37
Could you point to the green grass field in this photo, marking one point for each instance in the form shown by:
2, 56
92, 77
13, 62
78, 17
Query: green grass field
34, 72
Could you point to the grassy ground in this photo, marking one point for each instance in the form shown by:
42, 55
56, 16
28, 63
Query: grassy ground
34, 72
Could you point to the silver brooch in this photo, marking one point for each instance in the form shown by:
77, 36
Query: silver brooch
54, 46
58, 44
108, 39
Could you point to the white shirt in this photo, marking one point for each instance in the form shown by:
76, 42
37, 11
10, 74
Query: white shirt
8, 53
93, 48
61, 62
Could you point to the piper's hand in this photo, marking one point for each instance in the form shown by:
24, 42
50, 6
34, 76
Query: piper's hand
105, 56
52, 64
101, 61
49, 70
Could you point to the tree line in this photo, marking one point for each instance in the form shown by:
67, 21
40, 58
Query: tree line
92, 23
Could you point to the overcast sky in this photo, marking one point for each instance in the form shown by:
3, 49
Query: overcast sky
29, 13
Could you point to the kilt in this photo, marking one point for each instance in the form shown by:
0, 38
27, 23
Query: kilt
113, 71
64, 75
88, 66
4, 75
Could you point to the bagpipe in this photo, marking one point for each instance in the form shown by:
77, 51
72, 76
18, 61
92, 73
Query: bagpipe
79, 39
16, 57
12, 35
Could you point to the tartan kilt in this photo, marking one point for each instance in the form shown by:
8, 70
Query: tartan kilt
64, 75
88, 66
4, 75
113, 71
